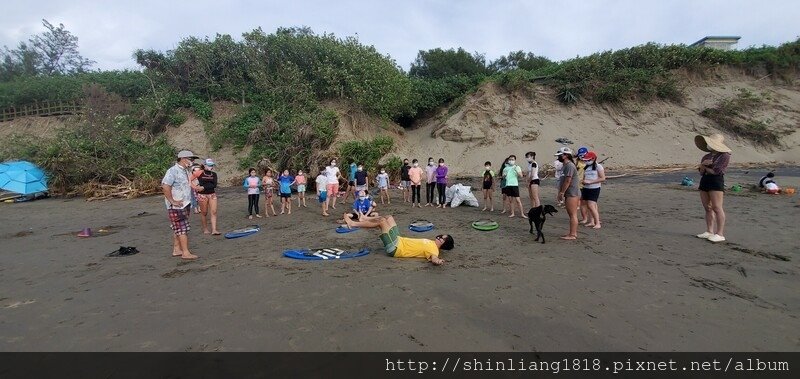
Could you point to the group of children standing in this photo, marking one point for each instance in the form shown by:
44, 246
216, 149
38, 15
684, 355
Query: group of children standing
268, 184
587, 178
330, 178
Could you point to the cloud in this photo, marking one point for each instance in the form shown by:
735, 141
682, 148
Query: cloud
109, 32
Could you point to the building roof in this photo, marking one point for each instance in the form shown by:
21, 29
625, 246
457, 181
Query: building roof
704, 39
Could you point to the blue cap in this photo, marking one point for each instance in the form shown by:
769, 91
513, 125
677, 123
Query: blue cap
582, 150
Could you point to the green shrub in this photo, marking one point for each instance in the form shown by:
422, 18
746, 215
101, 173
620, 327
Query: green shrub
366, 152
176, 119
393, 164
735, 115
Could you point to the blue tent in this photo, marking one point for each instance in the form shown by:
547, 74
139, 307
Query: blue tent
22, 177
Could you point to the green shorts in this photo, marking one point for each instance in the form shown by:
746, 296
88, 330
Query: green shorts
390, 240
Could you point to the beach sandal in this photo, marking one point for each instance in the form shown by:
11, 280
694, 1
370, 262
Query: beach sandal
123, 251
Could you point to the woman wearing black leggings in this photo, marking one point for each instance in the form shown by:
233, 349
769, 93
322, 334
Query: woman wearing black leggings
441, 182
430, 185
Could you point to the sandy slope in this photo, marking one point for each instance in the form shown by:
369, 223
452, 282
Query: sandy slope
494, 123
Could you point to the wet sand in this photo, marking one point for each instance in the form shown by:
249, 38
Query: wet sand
641, 283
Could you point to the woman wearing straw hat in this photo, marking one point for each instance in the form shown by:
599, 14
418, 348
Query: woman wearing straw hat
712, 183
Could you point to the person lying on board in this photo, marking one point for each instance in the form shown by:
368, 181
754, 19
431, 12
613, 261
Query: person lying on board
403, 247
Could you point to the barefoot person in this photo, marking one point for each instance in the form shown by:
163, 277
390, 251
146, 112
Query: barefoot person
512, 173
568, 191
404, 247
712, 184
333, 175
207, 197
533, 179
175, 186
593, 175
322, 190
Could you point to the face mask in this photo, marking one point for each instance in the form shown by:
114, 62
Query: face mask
441, 164
530, 159
383, 171
430, 163
416, 164
299, 173
488, 167
511, 163
361, 169
362, 197
333, 164
560, 158
405, 163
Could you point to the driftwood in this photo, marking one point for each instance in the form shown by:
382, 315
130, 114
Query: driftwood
126, 189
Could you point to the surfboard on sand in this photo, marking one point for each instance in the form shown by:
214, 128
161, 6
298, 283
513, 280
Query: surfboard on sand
420, 226
246, 231
324, 254
485, 225
345, 229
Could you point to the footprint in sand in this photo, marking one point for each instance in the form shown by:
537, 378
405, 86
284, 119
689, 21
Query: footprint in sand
19, 303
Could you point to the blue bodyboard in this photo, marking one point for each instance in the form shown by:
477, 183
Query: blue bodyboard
324, 254
243, 232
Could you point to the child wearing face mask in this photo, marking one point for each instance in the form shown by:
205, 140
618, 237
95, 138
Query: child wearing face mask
430, 184
512, 173
301, 180
286, 181
362, 206
488, 186
383, 185
415, 175
361, 178
441, 183
333, 175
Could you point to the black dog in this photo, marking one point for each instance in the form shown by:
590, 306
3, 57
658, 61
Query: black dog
537, 216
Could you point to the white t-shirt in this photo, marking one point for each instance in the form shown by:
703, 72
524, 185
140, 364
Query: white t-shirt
533, 170
771, 186
322, 182
559, 166
332, 173
383, 180
589, 174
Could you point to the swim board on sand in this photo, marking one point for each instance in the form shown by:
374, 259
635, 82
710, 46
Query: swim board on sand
344, 229
485, 225
324, 254
420, 226
246, 231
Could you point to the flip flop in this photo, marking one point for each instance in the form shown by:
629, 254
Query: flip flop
123, 251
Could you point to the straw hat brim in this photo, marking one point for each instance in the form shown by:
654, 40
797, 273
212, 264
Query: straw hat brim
710, 145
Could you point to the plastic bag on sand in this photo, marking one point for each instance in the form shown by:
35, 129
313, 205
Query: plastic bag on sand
458, 194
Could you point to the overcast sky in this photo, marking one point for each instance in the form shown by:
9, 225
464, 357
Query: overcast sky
110, 31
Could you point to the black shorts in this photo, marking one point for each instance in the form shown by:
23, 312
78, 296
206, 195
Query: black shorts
512, 191
286, 195
351, 183
487, 185
534, 181
355, 215
712, 183
590, 194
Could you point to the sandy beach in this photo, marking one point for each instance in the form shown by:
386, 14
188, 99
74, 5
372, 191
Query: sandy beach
641, 283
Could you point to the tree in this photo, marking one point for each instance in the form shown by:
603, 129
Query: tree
58, 51
519, 60
438, 63
22, 61
54, 52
